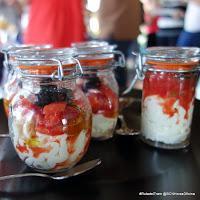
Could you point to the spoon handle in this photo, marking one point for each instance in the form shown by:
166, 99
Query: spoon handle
12, 176
6, 135
78, 169
124, 130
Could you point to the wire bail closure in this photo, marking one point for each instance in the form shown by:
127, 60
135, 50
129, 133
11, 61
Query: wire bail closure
139, 72
121, 60
59, 74
79, 70
6, 62
139, 66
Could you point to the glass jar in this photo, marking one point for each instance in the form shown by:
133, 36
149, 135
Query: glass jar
50, 118
168, 96
11, 81
99, 84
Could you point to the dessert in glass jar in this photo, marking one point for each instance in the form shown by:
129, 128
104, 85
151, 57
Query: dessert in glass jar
11, 79
168, 96
50, 118
99, 84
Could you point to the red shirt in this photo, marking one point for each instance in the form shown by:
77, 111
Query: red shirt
151, 22
56, 22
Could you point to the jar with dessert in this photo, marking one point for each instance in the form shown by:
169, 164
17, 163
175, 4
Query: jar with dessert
11, 82
170, 77
99, 84
50, 118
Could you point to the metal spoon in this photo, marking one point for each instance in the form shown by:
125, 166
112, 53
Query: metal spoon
124, 130
79, 169
6, 135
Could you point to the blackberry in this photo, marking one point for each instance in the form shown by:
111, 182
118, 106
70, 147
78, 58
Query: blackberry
50, 93
92, 83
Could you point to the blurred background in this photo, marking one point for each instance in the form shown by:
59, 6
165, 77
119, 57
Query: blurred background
131, 24
145, 22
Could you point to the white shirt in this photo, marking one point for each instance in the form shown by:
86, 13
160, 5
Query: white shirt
192, 17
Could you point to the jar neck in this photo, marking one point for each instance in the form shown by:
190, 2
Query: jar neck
92, 61
34, 85
97, 72
172, 65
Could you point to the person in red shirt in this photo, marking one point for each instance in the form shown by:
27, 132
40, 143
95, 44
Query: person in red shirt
56, 22
150, 27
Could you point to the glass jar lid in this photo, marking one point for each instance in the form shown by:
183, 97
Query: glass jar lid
91, 43
172, 58
37, 54
10, 50
92, 47
54, 63
94, 53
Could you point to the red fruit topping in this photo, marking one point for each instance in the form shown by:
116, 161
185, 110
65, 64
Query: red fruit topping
103, 101
58, 118
22, 149
53, 108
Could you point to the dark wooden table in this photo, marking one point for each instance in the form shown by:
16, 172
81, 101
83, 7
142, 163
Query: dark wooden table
128, 168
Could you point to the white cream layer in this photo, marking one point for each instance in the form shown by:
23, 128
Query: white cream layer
23, 129
102, 127
160, 127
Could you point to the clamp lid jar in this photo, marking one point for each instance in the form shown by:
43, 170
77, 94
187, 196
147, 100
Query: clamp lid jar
170, 76
99, 85
50, 117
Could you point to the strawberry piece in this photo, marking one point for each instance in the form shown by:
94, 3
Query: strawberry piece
53, 131
98, 101
104, 101
113, 104
72, 113
50, 121
56, 107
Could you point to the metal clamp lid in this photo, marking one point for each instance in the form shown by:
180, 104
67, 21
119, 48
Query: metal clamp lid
121, 60
59, 74
13, 49
119, 63
139, 72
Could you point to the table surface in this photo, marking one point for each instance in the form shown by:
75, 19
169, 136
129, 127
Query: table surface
128, 167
